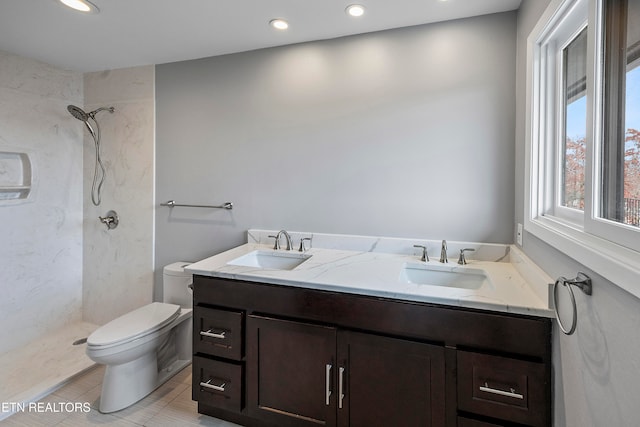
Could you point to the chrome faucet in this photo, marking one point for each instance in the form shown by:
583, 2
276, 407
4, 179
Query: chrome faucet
443, 252
462, 260
276, 246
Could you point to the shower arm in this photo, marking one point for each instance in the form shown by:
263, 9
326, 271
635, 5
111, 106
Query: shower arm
93, 113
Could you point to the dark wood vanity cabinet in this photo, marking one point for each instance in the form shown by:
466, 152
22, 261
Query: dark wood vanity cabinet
268, 355
306, 374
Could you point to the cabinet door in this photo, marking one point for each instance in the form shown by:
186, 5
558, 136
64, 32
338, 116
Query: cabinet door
290, 372
389, 382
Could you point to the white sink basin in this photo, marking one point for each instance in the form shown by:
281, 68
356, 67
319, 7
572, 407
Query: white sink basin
271, 260
431, 275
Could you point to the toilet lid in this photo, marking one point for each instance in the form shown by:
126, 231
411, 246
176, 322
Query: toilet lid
137, 323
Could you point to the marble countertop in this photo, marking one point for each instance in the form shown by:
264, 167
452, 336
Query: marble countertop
378, 274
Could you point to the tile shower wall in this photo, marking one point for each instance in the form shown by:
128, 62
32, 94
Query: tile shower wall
118, 264
41, 240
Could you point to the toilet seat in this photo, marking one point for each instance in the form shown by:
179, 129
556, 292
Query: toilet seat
134, 325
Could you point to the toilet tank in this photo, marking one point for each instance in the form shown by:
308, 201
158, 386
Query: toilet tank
175, 285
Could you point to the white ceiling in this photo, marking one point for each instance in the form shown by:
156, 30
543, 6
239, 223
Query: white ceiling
140, 32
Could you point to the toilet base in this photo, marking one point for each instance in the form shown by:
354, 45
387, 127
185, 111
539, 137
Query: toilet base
125, 384
121, 388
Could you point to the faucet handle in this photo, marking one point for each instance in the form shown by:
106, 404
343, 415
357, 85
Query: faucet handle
443, 252
302, 247
462, 260
276, 246
425, 256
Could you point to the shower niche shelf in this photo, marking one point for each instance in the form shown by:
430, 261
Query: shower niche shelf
16, 177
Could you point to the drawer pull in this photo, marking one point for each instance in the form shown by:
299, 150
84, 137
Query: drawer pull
327, 392
340, 387
212, 386
510, 393
210, 334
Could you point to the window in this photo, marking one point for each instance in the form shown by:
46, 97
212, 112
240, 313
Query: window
573, 69
583, 141
620, 187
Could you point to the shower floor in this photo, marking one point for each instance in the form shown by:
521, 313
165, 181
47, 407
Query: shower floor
35, 370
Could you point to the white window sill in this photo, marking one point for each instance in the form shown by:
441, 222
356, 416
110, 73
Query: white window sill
616, 263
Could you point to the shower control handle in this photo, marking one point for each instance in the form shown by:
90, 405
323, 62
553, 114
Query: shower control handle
111, 220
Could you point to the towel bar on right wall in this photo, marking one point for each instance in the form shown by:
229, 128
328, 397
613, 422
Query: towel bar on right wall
581, 281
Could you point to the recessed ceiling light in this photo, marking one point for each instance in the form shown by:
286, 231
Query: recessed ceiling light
81, 5
355, 10
279, 24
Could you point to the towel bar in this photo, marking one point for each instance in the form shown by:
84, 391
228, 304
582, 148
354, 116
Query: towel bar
583, 282
173, 204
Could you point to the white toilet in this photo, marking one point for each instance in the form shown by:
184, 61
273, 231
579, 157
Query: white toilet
144, 348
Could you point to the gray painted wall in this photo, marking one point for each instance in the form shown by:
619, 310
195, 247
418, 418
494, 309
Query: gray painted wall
405, 133
596, 370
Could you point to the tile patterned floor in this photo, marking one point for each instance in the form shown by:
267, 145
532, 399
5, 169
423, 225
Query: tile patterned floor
169, 405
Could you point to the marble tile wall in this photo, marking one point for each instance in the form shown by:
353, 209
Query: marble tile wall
41, 239
118, 264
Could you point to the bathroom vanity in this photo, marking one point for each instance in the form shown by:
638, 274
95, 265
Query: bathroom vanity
295, 346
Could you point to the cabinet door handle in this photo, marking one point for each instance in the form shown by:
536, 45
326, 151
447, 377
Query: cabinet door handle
327, 393
340, 387
212, 386
213, 334
510, 393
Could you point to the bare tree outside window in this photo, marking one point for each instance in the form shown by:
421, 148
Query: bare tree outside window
574, 65
620, 188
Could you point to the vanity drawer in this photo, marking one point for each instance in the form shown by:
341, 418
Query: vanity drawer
500, 387
217, 383
218, 332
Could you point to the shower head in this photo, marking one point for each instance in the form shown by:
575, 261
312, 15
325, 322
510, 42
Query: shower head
84, 117
78, 113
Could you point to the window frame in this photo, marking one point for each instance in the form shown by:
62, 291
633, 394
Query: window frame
602, 245
625, 235
571, 215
